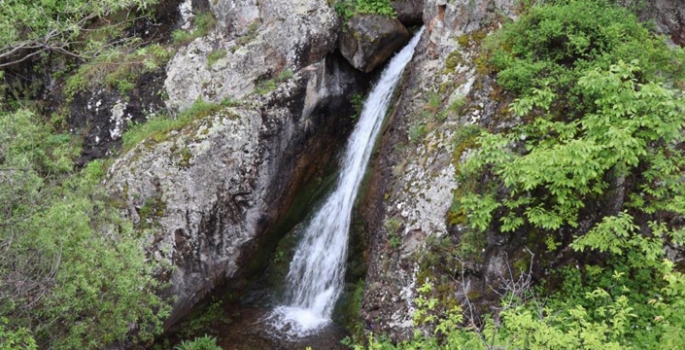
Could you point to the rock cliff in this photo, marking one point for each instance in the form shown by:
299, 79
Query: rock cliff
212, 191
412, 182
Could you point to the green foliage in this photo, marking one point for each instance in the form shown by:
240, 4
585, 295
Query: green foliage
417, 132
200, 343
349, 8
73, 273
214, 56
158, 127
17, 339
212, 313
285, 75
589, 157
553, 45
608, 314
28, 29
379, 7
392, 226
249, 35
117, 68
203, 23
590, 118
351, 318
357, 105
265, 87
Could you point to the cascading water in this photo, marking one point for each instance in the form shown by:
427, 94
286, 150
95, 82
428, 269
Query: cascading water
317, 270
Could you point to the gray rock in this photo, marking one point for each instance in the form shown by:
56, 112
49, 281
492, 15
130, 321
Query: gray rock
369, 40
414, 183
101, 116
668, 17
409, 12
259, 39
211, 192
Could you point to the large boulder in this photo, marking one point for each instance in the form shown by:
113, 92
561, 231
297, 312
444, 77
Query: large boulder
409, 12
210, 194
253, 42
369, 40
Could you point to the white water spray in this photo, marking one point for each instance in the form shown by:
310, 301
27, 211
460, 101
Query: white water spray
317, 270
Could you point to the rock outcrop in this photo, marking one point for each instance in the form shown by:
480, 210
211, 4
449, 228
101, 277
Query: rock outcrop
211, 192
214, 188
253, 43
409, 12
412, 181
413, 178
668, 17
369, 40
104, 115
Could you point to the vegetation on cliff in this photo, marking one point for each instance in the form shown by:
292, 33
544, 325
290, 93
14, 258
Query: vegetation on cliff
590, 161
73, 273
72, 270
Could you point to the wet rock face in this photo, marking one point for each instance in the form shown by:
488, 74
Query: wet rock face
212, 190
369, 40
254, 41
409, 12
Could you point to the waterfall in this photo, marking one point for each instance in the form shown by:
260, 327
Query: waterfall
317, 270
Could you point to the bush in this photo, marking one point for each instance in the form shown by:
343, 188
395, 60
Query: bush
349, 8
201, 343
599, 124
74, 274
61, 27
117, 68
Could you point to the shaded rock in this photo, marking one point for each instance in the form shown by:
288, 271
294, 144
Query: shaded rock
257, 40
409, 12
370, 40
101, 117
668, 17
211, 192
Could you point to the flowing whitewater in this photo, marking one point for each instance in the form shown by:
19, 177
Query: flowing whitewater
317, 270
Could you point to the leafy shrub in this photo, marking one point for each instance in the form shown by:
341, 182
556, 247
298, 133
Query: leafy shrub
379, 7
357, 104
73, 272
266, 86
201, 343
284, 75
349, 8
208, 315
61, 27
599, 124
588, 119
117, 68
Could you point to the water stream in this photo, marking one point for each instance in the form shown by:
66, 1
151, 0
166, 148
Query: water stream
317, 271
